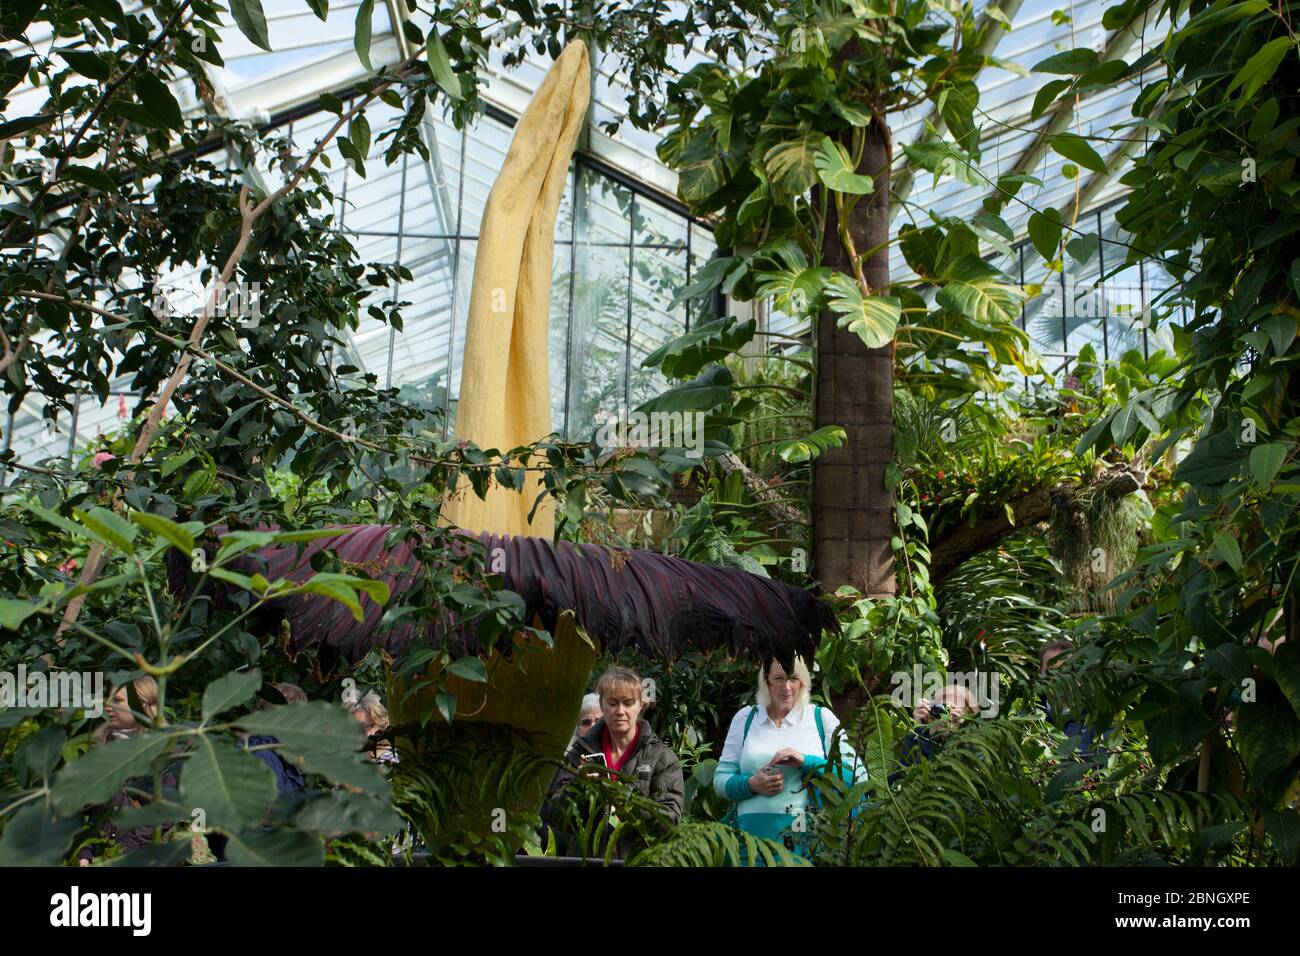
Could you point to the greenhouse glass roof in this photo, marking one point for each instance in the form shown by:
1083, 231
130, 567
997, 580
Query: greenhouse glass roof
624, 244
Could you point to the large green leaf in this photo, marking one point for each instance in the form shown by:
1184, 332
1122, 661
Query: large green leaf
251, 21
339, 812
975, 291
99, 774
793, 291
440, 65
1268, 732
1077, 61
703, 393
791, 165
232, 690
1259, 69
1266, 461
1213, 461
108, 527
810, 446
835, 169
275, 848
703, 345
158, 100
232, 787
1045, 231
36, 837
181, 536
874, 318
13, 613
700, 172
1076, 149
324, 738
361, 35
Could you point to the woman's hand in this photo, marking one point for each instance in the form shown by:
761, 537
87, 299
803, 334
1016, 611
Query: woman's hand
921, 714
787, 757
766, 784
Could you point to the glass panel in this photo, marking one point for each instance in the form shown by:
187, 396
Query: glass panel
598, 345
658, 274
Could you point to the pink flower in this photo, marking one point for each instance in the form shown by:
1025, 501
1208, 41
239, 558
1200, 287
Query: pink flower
121, 406
103, 456
68, 566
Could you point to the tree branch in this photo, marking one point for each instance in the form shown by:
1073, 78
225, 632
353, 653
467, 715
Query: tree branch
966, 541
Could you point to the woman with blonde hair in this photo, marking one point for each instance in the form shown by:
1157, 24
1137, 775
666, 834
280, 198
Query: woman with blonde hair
771, 747
121, 722
369, 711
622, 741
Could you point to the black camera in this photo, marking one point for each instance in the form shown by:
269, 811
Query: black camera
937, 711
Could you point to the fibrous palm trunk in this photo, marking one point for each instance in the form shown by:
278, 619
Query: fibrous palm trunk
853, 511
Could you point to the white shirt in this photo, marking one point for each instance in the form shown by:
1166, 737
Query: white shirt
798, 730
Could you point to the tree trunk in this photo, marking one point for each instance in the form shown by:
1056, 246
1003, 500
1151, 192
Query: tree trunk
853, 511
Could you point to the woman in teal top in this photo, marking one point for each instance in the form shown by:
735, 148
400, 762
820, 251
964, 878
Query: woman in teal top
770, 748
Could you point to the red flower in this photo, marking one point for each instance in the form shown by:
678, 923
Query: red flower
940, 474
68, 566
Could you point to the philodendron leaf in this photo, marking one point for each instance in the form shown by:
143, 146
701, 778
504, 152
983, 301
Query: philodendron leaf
874, 318
976, 292
232, 690
703, 345
707, 391
835, 170
102, 772
810, 446
233, 788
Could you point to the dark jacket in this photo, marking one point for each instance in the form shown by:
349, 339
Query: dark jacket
652, 768
287, 777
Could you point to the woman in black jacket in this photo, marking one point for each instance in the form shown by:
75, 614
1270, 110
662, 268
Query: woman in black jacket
622, 743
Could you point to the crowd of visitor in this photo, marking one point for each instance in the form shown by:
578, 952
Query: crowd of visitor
771, 750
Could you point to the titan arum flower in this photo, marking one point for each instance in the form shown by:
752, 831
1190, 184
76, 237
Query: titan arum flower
586, 597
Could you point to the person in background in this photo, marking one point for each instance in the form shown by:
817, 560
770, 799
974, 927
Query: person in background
288, 779
771, 746
936, 720
370, 712
587, 717
621, 740
121, 723
1054, 654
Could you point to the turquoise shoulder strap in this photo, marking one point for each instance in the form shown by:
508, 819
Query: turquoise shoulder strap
821, 729
748, 720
